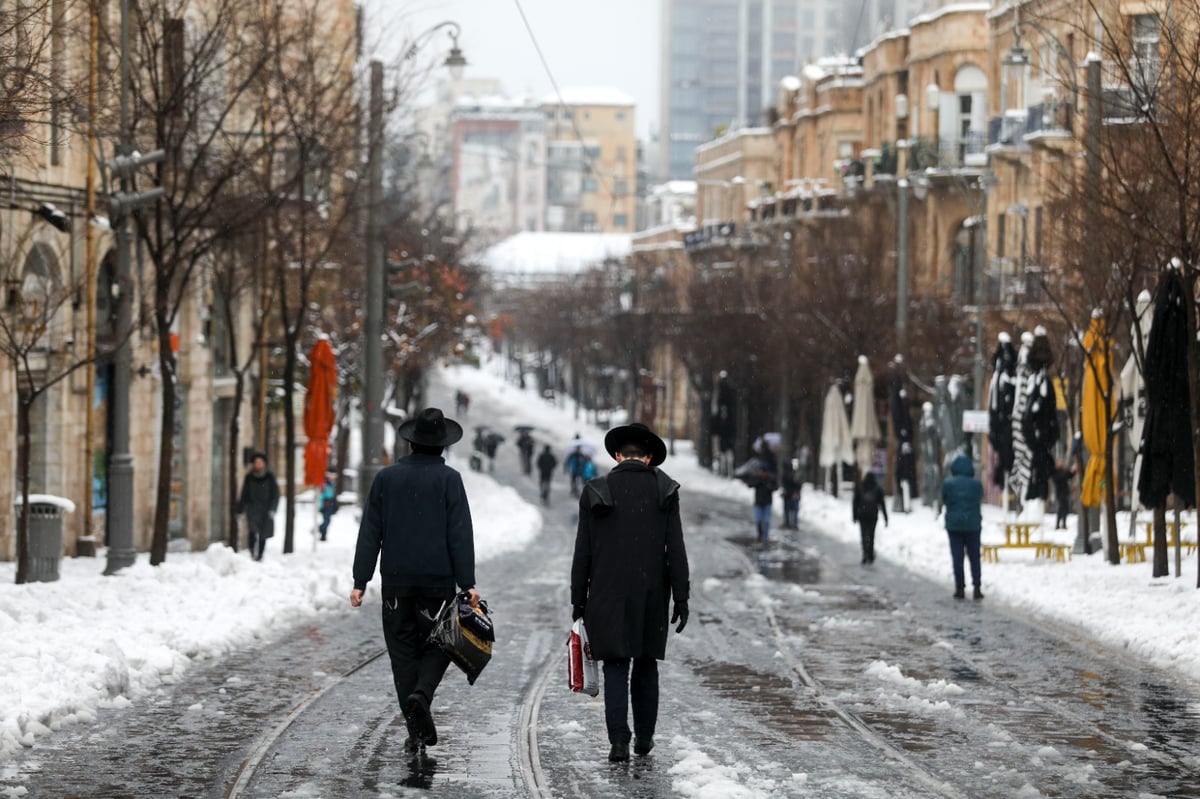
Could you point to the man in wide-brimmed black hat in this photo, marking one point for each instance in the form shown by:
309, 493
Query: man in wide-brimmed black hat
629, 563
417, 515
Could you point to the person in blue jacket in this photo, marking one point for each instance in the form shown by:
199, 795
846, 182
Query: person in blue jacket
417, 526
962, 498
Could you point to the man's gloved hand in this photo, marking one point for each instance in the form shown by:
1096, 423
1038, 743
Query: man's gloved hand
680, 615
576, 612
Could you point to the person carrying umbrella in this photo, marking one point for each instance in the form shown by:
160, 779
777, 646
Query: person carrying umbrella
417, 527
629, 563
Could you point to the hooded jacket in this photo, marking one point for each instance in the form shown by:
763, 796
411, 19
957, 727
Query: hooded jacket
962, 497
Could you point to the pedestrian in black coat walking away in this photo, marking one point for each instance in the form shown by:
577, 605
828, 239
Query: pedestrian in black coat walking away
629, 563
1061, 478
258, 499
417, 516
546, 464
867, 504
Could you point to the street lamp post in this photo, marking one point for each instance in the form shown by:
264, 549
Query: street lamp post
902, 268
373, 421
785, 265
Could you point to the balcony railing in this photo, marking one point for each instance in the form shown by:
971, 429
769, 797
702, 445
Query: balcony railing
935, 152
1054, 116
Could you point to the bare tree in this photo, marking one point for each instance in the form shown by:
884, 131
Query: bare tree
195, 68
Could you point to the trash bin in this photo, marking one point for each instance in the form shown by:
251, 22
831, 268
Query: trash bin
45, 534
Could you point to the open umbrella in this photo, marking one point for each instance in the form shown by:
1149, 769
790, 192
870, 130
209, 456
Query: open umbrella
318, 411
773, 442
836, 447
1097, 382
864, 426
582, 447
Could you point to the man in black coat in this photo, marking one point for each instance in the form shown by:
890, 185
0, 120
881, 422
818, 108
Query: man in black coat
258, 499
418, 517
629, 563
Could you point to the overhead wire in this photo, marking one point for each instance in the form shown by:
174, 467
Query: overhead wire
562, 106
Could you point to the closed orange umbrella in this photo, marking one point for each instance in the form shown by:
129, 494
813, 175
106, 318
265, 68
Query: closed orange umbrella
1097, 382
318, 411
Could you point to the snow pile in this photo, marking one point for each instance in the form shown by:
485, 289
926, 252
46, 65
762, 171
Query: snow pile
88, 641
1121, 605
697, 776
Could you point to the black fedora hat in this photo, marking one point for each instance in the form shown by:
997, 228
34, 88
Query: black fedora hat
430, 428
636, 433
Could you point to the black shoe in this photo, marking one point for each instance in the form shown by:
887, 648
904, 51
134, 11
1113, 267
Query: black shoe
412, 745
416, 709
978, 593
960, 593
642, 746
619, 753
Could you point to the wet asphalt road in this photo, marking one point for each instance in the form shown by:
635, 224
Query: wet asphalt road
801, 673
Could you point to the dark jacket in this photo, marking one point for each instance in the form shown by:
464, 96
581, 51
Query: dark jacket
545, 465
962, 496
764, 488
868, 501
418, 517
629, 560
259, 497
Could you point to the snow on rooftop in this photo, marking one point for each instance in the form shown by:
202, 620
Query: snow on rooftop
549, 254
590, 95
789, 83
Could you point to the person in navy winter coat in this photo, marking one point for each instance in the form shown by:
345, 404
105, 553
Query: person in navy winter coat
962, 499
417, 526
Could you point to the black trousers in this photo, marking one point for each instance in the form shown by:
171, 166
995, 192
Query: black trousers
258, 542
622, 684
866, 529
417, 665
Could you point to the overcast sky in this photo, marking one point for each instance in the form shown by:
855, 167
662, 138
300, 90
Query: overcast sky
597, 43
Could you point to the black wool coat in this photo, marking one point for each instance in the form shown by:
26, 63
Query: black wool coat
258, 499
630, 561
417, 526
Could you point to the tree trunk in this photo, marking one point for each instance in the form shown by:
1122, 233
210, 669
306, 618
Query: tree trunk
1160, 542
704, 451
289, 437
1112, 542
162, 494
23, 518
235, 430
1193, 383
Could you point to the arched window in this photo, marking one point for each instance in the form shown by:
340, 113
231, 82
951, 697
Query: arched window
39, 281
962, 118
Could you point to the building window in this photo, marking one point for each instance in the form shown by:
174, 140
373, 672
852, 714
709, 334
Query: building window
620, 116
593, 153
587, 221
620, 188
1146, 62
620, 221
589, 185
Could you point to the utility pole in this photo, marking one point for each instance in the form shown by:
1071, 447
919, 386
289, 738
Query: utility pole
902, 268
120, 206
372, 430
785, 301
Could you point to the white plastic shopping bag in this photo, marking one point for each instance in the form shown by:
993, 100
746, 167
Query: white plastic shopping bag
583, 673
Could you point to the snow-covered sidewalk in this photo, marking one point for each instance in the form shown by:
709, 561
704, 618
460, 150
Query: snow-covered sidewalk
87, 641
1122, 605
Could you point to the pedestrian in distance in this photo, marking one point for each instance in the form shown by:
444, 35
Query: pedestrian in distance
417, 516
790, 486
546, 464
573, 464
490, 443
962, 499
258, 500
629, 564
329, 503
764, 485
866, 505
1061, 477
525, 446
